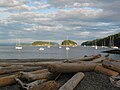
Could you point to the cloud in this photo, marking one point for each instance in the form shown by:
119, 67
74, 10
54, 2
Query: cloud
56, 19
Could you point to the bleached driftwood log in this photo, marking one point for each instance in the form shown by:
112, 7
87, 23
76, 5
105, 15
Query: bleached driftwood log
31, 77
106, 71
71, 67
50, 85
115, 80
29, 85
114, 65
73, 82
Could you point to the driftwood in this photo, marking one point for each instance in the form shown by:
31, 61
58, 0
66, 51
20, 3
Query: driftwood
29, 85
115, 80
106, 71
9, 70
50, 85
71, 67
112, 65
30, 64
73, 82
7, 80
99, 60
31, 77
87, 58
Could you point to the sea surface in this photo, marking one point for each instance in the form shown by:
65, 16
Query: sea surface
33, 52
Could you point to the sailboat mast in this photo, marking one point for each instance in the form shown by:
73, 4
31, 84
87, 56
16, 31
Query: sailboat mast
19, 42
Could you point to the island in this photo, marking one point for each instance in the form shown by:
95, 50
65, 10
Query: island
43, 43
68, 43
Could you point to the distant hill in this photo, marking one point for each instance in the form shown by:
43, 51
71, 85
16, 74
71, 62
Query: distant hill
68, 43
43, 43
107, 41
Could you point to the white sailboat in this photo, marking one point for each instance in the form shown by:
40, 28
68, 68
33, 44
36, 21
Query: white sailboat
104, 45
96, 47
48, 45
112, 43
60, 46
67, 48
41, 49
18, 47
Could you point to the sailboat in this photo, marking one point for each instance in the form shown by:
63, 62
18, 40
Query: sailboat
18, 47
112, 43
67, 48
41, 49
60, 46
48, 45
103, 44
96, 47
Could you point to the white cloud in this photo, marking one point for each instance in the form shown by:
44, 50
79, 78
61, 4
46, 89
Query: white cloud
82, 34
85, 19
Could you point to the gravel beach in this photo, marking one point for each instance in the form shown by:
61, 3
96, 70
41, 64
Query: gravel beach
91, 81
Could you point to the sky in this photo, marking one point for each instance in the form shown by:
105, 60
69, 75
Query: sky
55, 20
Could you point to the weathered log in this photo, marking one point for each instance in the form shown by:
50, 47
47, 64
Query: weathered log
32, 77
7, 80
115, 80
29, 85
99, 60
106, 71
73, 82
71, 67
50, 85
8, 70
113, 65
43, 64
87, 58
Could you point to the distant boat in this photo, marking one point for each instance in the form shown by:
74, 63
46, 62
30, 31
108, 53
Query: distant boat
84, 46
67, 48
41, 49
112, 45
96, 47
48, 45
60, 47
92, 46
18, 47
103, 45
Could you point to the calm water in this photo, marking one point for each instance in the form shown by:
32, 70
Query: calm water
32, 52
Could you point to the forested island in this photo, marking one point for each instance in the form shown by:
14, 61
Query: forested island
68, 43
64, 43
112, 40
43, 43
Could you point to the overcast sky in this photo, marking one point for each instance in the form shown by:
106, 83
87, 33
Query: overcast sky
80, 20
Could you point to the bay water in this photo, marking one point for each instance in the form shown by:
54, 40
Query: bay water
33, 52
